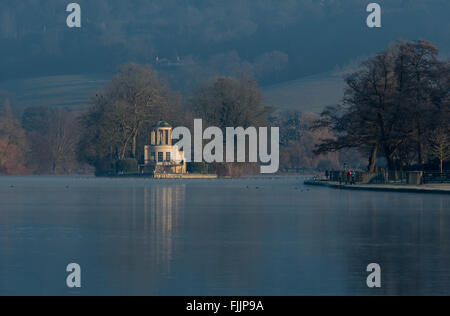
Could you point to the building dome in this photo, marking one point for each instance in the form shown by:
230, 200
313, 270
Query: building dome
161, 124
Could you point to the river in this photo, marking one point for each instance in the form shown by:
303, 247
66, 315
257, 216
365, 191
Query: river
255, 236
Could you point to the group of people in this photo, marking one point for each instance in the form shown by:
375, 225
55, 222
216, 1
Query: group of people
350, 177
347, 177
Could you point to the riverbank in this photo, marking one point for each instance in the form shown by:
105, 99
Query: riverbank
428, 188
167, 176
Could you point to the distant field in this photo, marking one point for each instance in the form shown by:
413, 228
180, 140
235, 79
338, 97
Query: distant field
68, 90
309, 94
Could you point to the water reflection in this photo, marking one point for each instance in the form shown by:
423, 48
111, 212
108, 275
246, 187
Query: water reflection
163, 217
224, 237
144, 259
407, 235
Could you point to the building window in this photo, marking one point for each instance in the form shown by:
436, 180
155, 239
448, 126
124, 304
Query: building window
168, 156
160, 157
152, 157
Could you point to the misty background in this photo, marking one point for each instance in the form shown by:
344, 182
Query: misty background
297, 50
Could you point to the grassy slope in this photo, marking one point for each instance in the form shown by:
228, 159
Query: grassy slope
309, 94
69, 90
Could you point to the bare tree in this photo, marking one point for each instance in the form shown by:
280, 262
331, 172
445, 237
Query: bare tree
122, 113
228, 101
62, 139
13, 145
138, 96
416, 65
368, 119
440, 146
53, 134
389, 105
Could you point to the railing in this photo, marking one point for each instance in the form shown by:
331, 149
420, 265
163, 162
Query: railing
436, 177
390, 177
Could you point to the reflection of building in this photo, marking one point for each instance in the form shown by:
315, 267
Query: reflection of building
163, 217
161, 157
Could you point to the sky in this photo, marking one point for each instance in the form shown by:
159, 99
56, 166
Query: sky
276, 41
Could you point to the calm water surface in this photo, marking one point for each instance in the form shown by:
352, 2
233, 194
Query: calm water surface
218, 237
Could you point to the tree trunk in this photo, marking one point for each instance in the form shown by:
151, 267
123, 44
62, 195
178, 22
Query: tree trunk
421, 155
373, 158
123, 152
420, 151
390, 161
389, 156
133, 146
391, 164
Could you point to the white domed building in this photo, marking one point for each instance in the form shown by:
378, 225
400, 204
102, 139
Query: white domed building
161, 157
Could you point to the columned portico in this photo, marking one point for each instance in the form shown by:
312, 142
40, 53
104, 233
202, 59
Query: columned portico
161, 156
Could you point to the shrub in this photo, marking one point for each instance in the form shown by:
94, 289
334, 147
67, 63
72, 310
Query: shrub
127, 166
198, 167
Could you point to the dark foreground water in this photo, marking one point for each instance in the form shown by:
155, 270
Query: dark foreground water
218, 237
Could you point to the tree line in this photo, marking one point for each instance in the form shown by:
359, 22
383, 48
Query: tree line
396, 107
111, 132
43, 141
